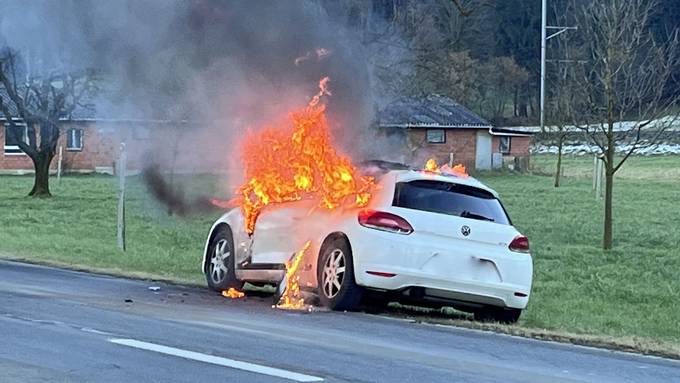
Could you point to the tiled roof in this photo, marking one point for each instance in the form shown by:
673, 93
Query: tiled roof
429, 111
80, 112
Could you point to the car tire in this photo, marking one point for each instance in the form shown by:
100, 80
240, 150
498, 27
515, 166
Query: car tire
220, 270
335, 271
498, 314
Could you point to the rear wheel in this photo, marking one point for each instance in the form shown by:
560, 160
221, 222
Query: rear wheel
335, 271
498, 314
220, 272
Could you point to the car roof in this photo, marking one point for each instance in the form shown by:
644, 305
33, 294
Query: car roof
414, 175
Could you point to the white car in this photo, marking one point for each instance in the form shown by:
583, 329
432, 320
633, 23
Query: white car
425, 238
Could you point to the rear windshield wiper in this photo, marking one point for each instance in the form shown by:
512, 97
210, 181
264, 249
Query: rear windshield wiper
467, 214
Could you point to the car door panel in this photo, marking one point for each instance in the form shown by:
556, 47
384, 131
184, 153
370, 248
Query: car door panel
277, 235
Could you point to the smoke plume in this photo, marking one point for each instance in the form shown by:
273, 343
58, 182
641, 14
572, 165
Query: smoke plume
219, 68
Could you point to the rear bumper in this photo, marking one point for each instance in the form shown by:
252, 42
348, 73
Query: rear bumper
503, 294
500, 279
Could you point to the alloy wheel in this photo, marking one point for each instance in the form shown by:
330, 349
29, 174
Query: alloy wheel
218, 262
333, 273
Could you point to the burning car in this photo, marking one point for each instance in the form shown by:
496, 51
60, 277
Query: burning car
306, 217
434, 237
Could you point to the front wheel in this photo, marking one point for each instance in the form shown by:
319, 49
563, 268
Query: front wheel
220, 272
337, 287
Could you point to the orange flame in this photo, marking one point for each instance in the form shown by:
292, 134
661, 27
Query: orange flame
431, 166
233, 293
460, 170
457, 170
295, 161
291, 299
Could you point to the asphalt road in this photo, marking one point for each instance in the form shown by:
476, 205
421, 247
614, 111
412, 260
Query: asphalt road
64, 326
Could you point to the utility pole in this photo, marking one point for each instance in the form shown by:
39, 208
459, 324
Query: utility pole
544, 12
544, 40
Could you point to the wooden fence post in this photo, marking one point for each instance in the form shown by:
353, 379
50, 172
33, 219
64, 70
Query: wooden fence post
121, 197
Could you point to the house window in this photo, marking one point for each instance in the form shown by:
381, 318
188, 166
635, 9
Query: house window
504, 144
436, 136
11, 144
74, 139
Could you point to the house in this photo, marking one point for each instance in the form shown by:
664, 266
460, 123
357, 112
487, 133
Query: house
90, 143
438, 127
87, 145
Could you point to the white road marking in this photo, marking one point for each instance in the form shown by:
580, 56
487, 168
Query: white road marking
94, 331
220, 361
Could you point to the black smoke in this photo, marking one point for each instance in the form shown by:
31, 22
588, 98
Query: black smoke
197, 59
221, 68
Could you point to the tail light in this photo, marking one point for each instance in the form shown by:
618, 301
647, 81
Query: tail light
520, 244
384, 221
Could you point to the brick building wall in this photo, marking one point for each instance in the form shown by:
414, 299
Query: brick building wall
461, 142
519, 145
185, 148
518, 156
100, 145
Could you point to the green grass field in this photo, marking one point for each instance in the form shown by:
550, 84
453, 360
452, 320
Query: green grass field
631, 291
77, 227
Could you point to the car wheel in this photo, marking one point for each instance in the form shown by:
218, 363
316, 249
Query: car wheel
337, 287
220, 272
498, 314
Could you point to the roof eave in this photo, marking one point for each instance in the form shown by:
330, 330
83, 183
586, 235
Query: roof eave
436, 126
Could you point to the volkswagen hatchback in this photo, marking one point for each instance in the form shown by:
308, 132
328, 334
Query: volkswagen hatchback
425, 238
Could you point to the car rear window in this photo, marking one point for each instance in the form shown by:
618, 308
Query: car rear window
451, 199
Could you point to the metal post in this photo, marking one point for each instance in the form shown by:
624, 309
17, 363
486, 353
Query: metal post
544, 11
594, 172
544, 40
602, 178
597, 177
121, 197
59, 166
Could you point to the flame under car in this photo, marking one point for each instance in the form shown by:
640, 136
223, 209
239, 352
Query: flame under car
425, 238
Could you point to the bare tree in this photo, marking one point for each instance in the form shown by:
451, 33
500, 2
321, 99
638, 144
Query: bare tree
560, 109
34, 106
624, 99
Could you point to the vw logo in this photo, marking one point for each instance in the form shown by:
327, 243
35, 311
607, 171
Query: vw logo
465, 230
